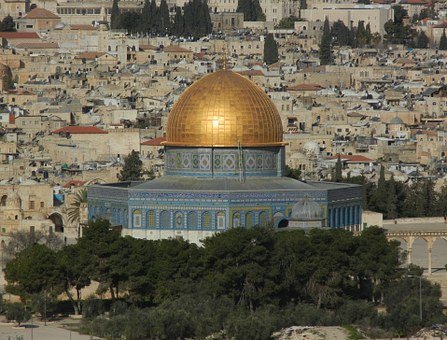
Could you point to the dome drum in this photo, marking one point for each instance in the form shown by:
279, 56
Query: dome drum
224, 162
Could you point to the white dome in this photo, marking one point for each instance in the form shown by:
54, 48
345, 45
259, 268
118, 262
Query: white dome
306, 210
311, 148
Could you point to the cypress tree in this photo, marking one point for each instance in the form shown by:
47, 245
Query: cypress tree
338, 176
8, 24
243, 6
325, 45
145, 17
361, 34
163, 15
368, 33
188, 19
270, 50
256, 10
422, 40
178, 26
115, 15
443, 42
152, 23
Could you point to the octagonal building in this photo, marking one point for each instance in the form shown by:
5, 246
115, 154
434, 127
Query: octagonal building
224, 168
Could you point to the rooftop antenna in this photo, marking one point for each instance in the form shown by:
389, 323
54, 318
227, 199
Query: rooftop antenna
225, 60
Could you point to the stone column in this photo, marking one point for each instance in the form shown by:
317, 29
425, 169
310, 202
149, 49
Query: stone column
410, 241
430, 241
336, 215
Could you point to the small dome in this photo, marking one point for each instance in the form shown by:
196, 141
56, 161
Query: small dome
307, 209
311, 148
396, 120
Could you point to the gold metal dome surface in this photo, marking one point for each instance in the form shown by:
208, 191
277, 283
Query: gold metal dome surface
224, 109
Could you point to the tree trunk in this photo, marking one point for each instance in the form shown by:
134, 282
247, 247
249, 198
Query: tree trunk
112, 292
78, 301
73, 302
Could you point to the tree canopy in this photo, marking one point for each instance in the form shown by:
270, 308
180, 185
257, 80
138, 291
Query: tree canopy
326, 45
132, 169
252, 10
246, 282
270, 50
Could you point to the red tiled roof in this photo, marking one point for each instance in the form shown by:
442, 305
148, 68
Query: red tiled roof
353, 158
154, 142
19, 35
80, 130
441, 25
74, 183
89, 55
41, 13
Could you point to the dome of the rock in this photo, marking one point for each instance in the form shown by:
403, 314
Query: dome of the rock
224, 109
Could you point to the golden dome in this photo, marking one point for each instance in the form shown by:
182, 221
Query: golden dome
224, 109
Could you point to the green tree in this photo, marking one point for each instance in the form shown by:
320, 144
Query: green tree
238, 265
130, 21
292, 173
252, 10
17, 312
146, 17
178, 28
8, 81
375, 263
287, 23
115, 16
33, 271
396, 31
402, 302
391, 209
109, 255
338, 174
74, 264
326, 45
270, 50
429, 197
443, 41
422, 40
8, 24
341, 33
152, 20
132, 169
163, 17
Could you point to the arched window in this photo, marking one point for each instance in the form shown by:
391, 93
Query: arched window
206, 220
263, 218
136, 219
178, 219
220, 220
192, 220
164, 219
3, 201
151, 219
236, 220
249, 219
